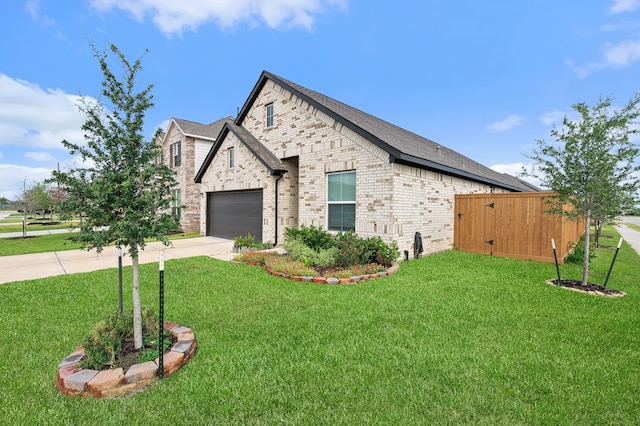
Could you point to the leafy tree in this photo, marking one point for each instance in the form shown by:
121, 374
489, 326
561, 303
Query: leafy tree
122, 194
591, 165
41, 198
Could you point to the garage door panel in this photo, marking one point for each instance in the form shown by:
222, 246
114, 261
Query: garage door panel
234, 214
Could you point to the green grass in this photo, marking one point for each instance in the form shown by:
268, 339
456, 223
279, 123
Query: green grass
453, 338
38, 244
53, 242
632, 226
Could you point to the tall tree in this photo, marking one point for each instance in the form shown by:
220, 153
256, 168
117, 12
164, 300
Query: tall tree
592, 164
122, 194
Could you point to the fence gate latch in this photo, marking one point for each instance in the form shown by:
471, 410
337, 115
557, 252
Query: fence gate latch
492, 205
490, 242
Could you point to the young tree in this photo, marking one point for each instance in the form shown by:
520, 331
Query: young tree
591, 166
123, 196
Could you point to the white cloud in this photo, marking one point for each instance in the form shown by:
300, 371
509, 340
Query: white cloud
12, 178
506, 124
32, 7
172, 16
34, 117
39, 156
516, 169
552, 118
620, 6
621, 54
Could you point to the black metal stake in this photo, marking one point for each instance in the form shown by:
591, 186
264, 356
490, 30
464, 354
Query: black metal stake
555, 257
120, 279
613, 261
161, 330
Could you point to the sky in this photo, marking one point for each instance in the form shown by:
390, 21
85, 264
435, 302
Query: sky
486, 79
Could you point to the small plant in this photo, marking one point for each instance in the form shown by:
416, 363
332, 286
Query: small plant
104, 345
254, 256
576, 256
241, 242
288, 266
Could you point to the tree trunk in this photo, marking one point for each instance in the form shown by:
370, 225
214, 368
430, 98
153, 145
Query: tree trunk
137, 311
585, 265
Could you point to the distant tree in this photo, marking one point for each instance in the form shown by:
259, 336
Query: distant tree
41, 198
591, 165
123, 195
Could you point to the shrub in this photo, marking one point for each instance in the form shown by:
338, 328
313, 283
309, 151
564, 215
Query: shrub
323, 258
576, 255
104, 344
352, 249
384, 254
313, 237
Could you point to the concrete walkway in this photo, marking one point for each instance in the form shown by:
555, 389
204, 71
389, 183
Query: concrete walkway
40, 265
631, 236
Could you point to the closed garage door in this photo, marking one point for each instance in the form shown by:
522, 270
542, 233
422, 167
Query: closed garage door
234, 214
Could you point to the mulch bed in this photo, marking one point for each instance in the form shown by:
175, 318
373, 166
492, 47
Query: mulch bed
589, 288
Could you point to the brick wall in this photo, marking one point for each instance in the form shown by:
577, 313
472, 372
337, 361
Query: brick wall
393, 201
185, 174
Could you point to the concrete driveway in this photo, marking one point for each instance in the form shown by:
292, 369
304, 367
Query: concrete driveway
40, 265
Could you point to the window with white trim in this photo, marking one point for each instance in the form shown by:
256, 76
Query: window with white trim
232, 159
175, 154
341, 201
176, 203
270, 115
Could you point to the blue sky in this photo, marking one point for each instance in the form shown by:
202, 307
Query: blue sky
483, 78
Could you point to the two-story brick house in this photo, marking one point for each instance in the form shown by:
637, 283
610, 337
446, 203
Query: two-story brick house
185, 145
295, 157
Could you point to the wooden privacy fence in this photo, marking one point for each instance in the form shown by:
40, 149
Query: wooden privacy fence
512, 225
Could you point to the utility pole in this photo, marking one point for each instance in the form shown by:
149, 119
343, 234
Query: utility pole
24, 208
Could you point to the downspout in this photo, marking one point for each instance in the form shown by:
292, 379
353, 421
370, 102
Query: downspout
275, 240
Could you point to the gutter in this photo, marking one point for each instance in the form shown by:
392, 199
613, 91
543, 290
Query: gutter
275, 239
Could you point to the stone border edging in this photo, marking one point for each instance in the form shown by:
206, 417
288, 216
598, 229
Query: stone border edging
322, 280
74, 381
592, 293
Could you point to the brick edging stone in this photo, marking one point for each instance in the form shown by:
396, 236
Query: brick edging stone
322, 280
74, 381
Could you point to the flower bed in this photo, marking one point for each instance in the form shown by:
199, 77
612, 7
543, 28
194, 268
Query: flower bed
74, 381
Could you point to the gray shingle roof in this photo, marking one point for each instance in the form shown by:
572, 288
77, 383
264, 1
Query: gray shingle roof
402, 145
199, 130
266, 157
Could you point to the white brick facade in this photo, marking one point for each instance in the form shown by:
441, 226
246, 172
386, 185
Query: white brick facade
393, 201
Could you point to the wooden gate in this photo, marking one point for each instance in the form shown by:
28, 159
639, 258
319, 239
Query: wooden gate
512, 225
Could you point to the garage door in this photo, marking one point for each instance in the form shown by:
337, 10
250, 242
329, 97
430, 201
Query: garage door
234, 214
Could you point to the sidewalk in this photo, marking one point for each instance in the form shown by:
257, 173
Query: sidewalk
631, 236
40, 265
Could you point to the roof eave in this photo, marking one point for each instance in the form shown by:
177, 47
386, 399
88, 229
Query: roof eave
431, 165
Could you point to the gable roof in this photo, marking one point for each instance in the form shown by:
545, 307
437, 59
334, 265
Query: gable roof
266, 157
199, 130
403, 146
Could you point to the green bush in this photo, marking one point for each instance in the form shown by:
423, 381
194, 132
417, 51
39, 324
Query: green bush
576, 255
384, 254
314, 237
104, 344
323, 258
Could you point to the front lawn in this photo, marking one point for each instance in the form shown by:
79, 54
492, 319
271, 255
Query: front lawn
454, 338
